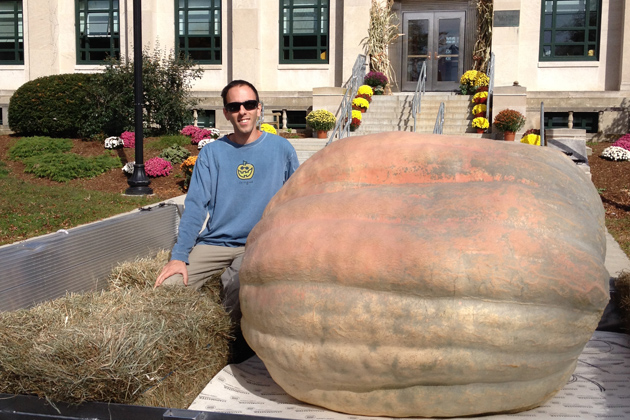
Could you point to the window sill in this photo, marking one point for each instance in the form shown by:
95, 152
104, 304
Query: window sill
89, 67
560, 64
210, 66
11, 66
298, 66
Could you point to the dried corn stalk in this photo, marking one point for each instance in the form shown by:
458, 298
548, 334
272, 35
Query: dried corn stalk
481, 50
383, 31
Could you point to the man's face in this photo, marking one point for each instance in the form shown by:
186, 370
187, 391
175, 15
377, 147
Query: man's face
243, 121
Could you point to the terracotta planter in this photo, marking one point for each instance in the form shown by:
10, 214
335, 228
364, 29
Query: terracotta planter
480, 130
508, 135
481, 114
322, 134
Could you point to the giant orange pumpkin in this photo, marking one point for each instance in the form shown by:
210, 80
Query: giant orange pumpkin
416, 275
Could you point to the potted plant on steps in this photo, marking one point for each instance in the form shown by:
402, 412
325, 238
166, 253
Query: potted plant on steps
481, 124
321, 121
509, 121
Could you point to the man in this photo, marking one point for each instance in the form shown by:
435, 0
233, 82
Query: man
233, 180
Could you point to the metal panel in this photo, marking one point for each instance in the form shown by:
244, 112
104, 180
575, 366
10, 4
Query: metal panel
80, 259
23, 407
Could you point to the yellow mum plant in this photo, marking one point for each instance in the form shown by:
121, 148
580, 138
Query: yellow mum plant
472, 80
357, 114
480, 122
480, 98
531, 139
365, 90
360, 103
479, 109
321, 120
268, 128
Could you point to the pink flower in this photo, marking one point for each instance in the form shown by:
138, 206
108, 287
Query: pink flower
189, 130
197, 134
129, 139
158, 167
623, 142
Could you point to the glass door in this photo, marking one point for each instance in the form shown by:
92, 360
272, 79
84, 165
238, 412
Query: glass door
436, 38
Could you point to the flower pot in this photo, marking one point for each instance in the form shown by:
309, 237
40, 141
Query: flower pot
481, 114
508, 135
322, 134
362, 110
480, 130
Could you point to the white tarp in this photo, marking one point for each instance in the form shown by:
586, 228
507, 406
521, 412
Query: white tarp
599, 388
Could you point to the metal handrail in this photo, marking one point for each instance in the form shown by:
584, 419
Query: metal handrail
543, 141
439, 120
490, 89
419, 92
262, 115
344, 112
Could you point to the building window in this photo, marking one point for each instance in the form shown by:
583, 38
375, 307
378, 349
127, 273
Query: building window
11, 33
304, 34
295, 119
98, 31
206, 118
570, 30
199, 30
588, 121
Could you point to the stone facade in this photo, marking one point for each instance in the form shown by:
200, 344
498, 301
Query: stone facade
250, 50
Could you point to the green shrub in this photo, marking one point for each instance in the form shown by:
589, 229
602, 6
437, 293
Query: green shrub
63, 167
168, 141
58, 105
98, 105
166, 82
175, 154
32, 146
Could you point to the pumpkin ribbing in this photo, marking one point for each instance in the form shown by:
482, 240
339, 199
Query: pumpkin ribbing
394, 265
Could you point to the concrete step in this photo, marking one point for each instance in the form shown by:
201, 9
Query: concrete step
309, 144
307, 147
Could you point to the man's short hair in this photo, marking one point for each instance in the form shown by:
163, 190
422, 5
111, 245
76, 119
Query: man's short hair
235, 83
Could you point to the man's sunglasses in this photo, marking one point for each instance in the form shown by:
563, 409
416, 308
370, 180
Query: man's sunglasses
236, 106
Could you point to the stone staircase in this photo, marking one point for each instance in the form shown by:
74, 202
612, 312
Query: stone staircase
306, 148
393, 113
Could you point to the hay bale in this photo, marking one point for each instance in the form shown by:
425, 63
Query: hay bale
622, 291
130, 344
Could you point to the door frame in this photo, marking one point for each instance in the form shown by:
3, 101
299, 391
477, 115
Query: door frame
432, 56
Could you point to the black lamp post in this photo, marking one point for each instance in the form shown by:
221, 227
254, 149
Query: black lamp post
139, 182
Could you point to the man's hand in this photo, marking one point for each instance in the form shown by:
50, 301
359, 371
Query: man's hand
173, 267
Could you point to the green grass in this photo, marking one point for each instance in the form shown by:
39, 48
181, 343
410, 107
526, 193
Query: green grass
620, 230
28, 210
3, 170
168, 141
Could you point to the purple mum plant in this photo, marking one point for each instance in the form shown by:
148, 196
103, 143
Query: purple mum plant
375, 78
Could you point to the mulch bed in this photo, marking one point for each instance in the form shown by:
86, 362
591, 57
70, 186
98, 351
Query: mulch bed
115, 180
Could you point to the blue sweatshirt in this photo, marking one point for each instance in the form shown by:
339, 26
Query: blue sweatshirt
233, 184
